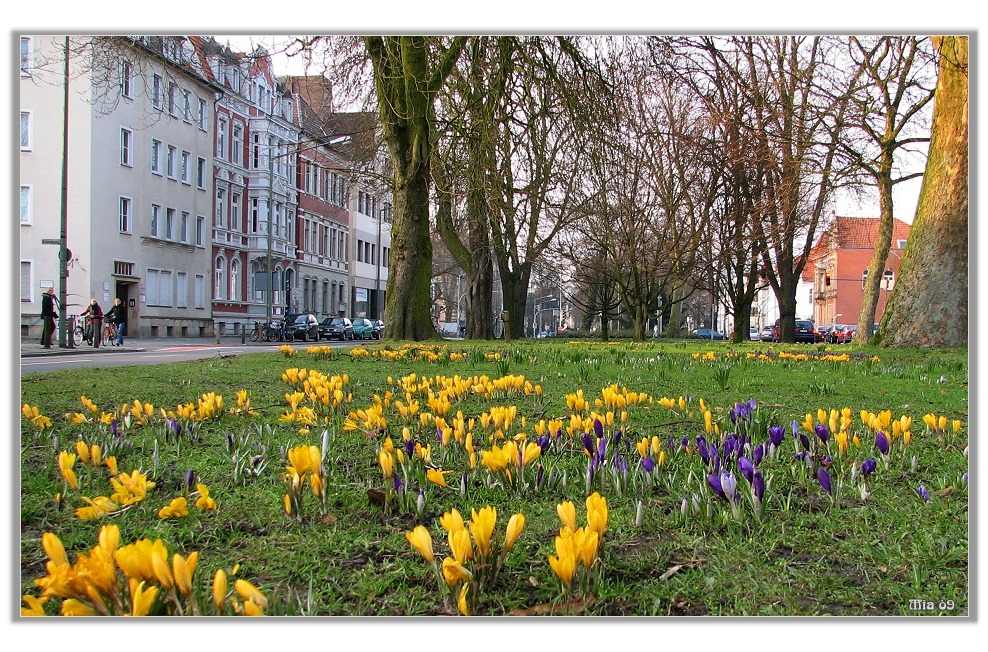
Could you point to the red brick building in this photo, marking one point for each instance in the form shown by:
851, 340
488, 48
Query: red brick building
838, 266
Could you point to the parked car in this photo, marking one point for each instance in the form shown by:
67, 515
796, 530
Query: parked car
378, 328
304, 327
849, 333
767, 334
336, 328
804, 331
753, 333
363, 329
836, 334
709, 334
822, 332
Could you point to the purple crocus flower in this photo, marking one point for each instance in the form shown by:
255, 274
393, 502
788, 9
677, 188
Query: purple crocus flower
776, 434
868, 467
805, 441
795, 428
190, 479
713, 480
439, 436
758, 484
729, 485
409, 447
964, 479
598, 428
602, 448
539, 476
671, 444
113, 428
823, 432
730, 445
176, 426
617, 437
882, 442
826, 461
229, 442
648, 464
701, 448
923, 493
587, 440
543, 442
733, 414
824, 478
746, 467
801, 455
684, 443
398, 483
759, 454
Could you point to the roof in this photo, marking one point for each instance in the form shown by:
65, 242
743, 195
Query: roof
852, 233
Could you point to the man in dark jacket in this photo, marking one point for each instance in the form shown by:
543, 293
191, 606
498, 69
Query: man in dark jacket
48, 315
117, 315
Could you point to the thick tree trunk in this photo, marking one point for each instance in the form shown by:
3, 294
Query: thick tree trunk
514, 284
675, 314
876, 268
409, 301
928, 307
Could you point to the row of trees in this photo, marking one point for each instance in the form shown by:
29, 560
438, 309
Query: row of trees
648, 168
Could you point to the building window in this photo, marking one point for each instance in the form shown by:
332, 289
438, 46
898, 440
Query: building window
27, 55
172, 98
238, 143
221, 138
200, 228
169, 224
172, 162
25, 131
234, 211
220, 286
200, 173
234, 279
27, 280
186, 172
126, 147
183, 229
864, 278
220, 206
181, 290
125, 216
888, 280
360, 251
199, 291
155, 219
201, 121
27, 205
156, 156
126, 79
187, 106
165, 289
156, 91
253, 214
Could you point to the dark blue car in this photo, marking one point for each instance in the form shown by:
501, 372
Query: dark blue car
709, 334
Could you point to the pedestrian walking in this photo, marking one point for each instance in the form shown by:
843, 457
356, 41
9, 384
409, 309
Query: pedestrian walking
95, 315
48, 316
117, 315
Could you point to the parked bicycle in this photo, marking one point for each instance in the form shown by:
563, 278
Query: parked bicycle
79, 332
109, 334
270, 332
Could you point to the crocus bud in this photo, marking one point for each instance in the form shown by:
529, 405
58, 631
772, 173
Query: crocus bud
420, 504
639, 513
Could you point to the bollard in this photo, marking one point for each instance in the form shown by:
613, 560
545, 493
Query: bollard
243, 335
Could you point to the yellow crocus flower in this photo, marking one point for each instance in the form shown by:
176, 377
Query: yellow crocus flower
386, 463
73, 607
567, 514
956, 425
219, 589
482, 528
454, 572
35, 606
177, 507
421, 540
66, 461
563, 563
451, 521
462, 604
459, 544
141, 599
182, 571
250, 593
515, 525
436, 477
597, 513
162, 572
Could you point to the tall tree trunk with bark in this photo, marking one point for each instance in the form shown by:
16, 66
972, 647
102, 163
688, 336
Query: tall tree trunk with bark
406, 88
928, 307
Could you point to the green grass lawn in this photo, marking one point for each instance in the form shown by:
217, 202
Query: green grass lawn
671, 545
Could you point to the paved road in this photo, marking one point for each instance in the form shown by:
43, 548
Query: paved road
135, 351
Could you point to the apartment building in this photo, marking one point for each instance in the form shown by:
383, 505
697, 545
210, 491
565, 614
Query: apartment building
139, 178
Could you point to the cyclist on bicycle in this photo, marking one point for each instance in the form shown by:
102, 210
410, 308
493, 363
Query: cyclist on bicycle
117, 316
94, 323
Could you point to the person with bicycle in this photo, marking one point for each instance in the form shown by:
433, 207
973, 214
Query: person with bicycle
49, 314
94, 323
117, 316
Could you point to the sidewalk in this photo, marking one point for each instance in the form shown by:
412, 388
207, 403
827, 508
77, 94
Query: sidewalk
31, 348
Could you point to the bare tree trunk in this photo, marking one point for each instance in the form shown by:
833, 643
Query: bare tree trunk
876, 268
406, 87
928, 306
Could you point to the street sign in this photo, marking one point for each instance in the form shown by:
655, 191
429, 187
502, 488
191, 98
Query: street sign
51, 241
